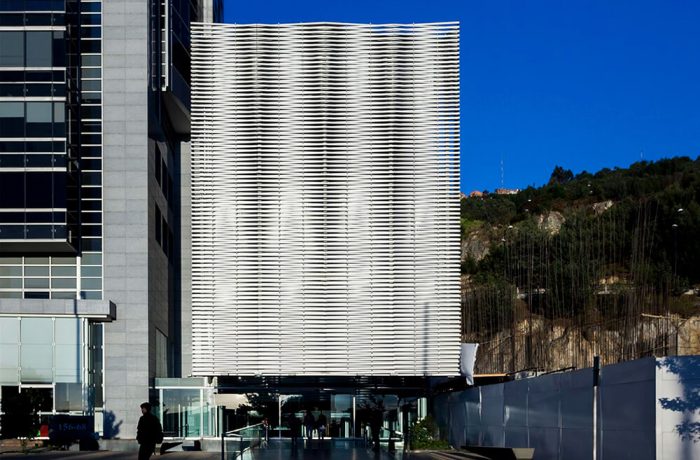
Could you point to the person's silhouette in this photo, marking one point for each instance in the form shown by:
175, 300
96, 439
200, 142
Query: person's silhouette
310, 423
148, 432
321, 426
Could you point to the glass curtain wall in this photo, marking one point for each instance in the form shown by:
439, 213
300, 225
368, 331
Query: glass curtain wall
55, 359
189, 408
186, 408
51, 146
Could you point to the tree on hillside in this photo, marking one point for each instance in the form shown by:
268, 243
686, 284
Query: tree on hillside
560, 176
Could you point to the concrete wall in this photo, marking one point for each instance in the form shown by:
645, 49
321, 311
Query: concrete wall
678, 408
646, 409
126, 211
185, 260
160, 277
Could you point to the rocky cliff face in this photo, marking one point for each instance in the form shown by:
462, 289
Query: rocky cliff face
532, 341
550, 222
553, 345
476, 245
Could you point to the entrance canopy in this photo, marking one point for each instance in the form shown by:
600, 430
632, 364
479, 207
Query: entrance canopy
400, 386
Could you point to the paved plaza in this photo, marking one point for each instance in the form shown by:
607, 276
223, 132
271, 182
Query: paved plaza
336, 450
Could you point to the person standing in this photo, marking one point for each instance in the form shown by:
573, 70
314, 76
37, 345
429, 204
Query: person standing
266, 432
321, 426
149, 432
309, 423
295, 428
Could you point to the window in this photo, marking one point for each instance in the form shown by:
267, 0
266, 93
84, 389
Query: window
63, 271
39, 189
91, 59
63, 283
90, 112
11, 190
36, 358
158, 164
161, 354
158, 224
9, 350
43, 395
39, 117
67, 342
39, 46
69, 396
91, 46
171, 188
164, 182
36, 283
11, 119
10, 19
92, 259
89, 73
11, 49
165, 237
10, 283
91, 283
91, 271
59, 112
164, 186
91, 85
59, 49
171, 246
90, 32
60, 188
42, 5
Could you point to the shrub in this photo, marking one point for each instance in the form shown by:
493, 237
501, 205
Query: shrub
423, 436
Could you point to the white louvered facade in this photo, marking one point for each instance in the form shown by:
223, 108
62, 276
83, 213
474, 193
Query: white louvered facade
325, 199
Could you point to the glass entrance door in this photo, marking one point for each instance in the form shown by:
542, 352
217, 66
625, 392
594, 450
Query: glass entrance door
308, 409
341, 416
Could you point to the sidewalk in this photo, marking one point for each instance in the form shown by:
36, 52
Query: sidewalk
107, 455
277, 450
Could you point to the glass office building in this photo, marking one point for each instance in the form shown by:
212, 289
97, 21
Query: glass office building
94, 110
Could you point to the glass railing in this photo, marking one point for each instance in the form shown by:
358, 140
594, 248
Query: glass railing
385, 434
238, 441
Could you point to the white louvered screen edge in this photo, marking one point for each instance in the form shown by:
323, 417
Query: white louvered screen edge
325, 199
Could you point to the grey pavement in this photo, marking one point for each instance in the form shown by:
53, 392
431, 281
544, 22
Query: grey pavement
107, 455
325, 450
276, 450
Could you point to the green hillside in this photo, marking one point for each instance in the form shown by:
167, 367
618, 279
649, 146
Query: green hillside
586, 249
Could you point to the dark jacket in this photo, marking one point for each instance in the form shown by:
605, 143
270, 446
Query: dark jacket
149, 430
295, 427
309, 420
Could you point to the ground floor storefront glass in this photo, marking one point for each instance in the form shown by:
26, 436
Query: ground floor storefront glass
201, 407
52, 365
186, 408
351, 416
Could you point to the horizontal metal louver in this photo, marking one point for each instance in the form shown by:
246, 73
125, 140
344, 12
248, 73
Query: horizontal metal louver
325, 199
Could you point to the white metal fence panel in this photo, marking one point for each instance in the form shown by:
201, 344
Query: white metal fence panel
626, 410
646, 409
552, 413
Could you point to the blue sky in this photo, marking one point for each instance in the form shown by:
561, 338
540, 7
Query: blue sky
581, 84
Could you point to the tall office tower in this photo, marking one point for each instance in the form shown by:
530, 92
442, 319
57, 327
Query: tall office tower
325, 201
94, 115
